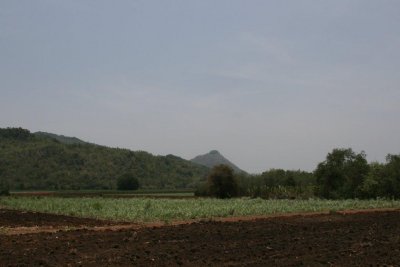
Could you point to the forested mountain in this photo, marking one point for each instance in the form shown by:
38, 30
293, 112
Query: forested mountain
214, 158
61, 138
41, 161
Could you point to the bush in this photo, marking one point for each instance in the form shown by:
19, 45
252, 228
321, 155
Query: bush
342, 174
4, 189
15, 133
127, 182
201, 190
389, 182
221, 182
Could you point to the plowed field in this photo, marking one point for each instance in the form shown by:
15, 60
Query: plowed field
354, 239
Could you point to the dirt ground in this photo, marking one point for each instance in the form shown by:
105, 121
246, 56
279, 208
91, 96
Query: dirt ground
353, 239
14, 219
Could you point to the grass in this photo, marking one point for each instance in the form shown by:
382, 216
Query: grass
146, 210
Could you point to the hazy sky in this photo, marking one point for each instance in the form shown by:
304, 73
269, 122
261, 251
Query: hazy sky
270, 84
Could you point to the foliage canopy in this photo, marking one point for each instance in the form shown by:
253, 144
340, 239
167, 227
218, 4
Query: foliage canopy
127, 182
221, 182
341, 174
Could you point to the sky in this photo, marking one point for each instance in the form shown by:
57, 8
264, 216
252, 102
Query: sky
269, 84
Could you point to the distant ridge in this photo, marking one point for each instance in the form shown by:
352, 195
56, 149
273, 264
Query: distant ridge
61, 138
45, 161
214, 158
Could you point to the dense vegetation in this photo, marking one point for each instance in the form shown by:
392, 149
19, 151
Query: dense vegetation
37, 162
343, 175
127, 181
278, 184
272, 184
145, 209
4, 190
45, 161
61, 138
221, 183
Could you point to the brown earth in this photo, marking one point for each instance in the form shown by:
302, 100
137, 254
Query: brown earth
14, 219
352, 239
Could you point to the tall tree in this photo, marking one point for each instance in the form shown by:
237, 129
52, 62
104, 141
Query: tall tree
221, 182
390, 182
341, 174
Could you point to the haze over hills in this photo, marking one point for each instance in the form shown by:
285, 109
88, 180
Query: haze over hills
44, 161
214, 158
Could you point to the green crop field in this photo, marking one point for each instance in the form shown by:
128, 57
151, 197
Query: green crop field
147, 210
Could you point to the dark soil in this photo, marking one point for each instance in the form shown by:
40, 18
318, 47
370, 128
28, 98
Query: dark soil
360, 239
13, 218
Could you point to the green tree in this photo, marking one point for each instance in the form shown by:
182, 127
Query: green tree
342, 174
221, 182
371, 187
289, 181
127, 182
15, 133
390, 180
4, 189
383, 180
274, 177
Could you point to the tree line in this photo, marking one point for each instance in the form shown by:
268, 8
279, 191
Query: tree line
30, 162
343, 174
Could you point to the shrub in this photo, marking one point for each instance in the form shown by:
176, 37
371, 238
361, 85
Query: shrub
127, 182
4, 189
15, 133
221, 182
201, 190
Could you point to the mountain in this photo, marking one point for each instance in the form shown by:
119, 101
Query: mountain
41, 162
61, 138
214, 158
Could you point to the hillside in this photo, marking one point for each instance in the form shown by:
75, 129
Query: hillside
61, 138
37, 162
214, 158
